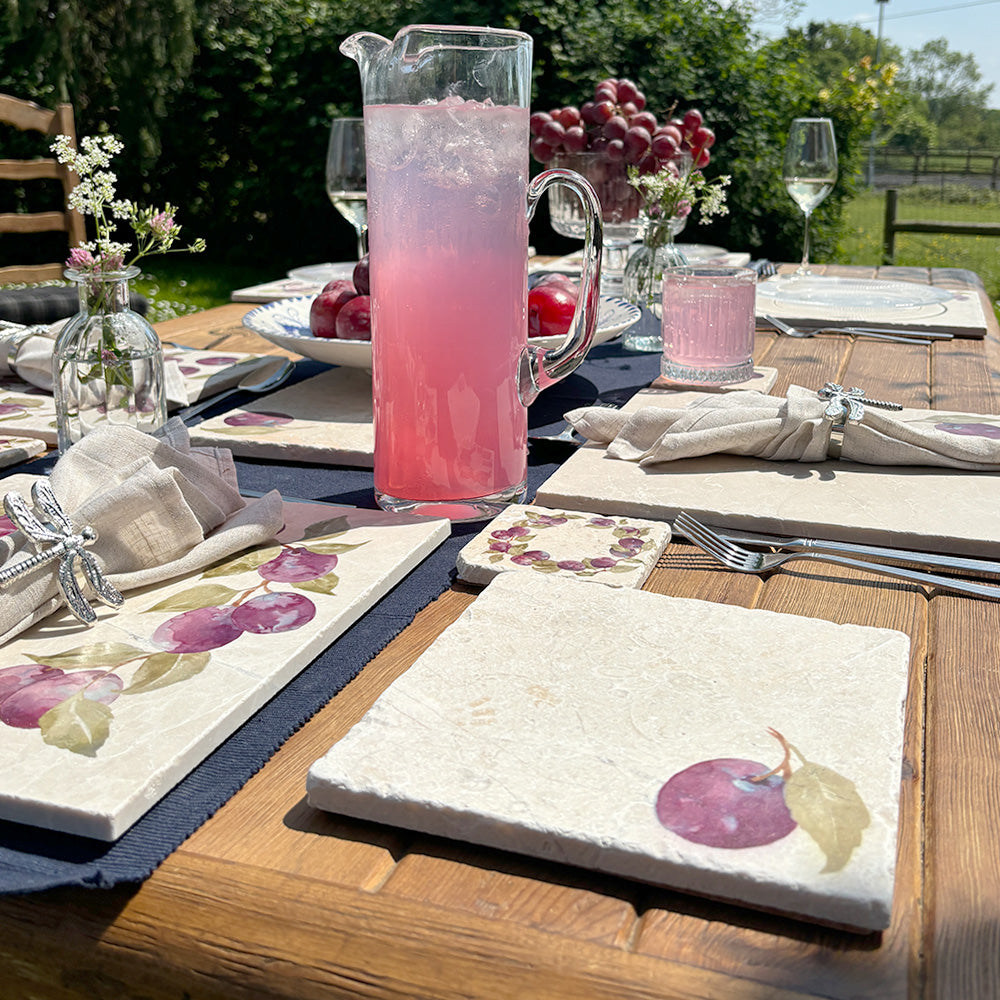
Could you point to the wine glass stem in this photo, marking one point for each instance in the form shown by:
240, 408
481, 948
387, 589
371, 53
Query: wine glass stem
362, 232
804, 266
613, 266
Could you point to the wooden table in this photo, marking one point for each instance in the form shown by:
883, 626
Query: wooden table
270, 898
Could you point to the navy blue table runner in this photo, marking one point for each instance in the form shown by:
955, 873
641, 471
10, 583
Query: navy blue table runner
32, 859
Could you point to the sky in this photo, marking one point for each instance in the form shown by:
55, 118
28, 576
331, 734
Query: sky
969, 26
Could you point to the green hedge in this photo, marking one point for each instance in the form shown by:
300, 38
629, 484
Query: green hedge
224, 106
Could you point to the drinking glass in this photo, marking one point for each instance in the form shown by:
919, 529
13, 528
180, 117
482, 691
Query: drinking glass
708, 324
620, 210
345, 175
810, 170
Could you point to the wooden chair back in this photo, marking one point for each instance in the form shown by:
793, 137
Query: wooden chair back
26, 115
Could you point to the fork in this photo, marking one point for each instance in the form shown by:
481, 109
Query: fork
979, 567
792, 331
746, 561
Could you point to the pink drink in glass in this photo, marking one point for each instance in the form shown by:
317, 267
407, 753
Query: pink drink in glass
448, 236
708, 324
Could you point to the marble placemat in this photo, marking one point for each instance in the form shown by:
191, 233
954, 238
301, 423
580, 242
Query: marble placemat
960, 311
741, 754
96, 725
19, 449
935, 509
616, 551
326, 419
28, 411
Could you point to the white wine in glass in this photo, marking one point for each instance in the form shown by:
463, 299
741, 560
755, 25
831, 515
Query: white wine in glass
810, 170
346, 183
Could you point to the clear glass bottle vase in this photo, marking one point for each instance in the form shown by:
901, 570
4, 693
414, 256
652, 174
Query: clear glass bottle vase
643, 284
107, 364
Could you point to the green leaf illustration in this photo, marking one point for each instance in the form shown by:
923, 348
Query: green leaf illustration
257, 430
99, 654
545, 566
332, 548
243, 563
162, 669
496, 557
827, 806
29, 402
332, 526
325, 584
204, 596
77, 724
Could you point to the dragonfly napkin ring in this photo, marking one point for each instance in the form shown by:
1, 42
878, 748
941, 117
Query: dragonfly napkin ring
846, 406
67, 546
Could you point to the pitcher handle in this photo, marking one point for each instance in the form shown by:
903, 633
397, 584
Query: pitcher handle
539, 367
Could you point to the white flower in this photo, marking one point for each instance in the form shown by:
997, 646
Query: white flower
94, 195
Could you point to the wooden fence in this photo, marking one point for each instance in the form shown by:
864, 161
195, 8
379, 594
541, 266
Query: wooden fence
892, 225
979, 166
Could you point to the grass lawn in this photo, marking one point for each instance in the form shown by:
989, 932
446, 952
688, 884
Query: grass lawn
863, 218
185, 283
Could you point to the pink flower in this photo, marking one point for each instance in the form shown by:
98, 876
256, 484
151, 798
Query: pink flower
80, 259
162, 225
111, 261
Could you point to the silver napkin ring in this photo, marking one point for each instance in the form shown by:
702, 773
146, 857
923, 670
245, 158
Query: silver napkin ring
846, 406
67, 546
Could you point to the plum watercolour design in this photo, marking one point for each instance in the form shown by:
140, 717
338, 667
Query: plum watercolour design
194, 366
67, 693
733, 803
624, 542
18, 405
250, 423
963, 424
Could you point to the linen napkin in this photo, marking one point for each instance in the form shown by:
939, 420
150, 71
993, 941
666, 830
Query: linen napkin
26, 351
789, 429
161, 508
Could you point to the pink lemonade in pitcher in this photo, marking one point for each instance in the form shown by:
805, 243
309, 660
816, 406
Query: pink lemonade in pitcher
448, 236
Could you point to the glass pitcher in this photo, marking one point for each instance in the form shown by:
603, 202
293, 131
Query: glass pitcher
446, 137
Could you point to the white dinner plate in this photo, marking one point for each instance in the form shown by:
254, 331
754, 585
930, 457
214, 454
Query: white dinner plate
285, 323
697, 253
320, 274
866, 298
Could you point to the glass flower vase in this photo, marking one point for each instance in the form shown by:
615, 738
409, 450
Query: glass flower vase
643, 284
107, 364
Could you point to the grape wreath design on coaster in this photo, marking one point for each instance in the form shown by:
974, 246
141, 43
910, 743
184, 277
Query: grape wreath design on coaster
67, 693
733, 803
512, 544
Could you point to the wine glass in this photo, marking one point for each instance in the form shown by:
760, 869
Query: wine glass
345, 175
810, 170
621, 207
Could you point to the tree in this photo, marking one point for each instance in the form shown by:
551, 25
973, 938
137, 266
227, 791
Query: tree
949, 82
829, 48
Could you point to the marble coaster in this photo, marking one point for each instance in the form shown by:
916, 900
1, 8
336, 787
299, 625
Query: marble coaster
762, 380
96, 725
326, 419
942, 510
617, 551
741, 754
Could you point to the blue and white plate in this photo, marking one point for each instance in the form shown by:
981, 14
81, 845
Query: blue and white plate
285, 323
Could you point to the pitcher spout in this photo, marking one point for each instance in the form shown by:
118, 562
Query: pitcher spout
363, 47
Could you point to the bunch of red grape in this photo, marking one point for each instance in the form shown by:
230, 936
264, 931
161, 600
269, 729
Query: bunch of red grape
617, 124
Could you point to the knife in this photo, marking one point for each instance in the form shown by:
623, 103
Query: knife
897, 331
